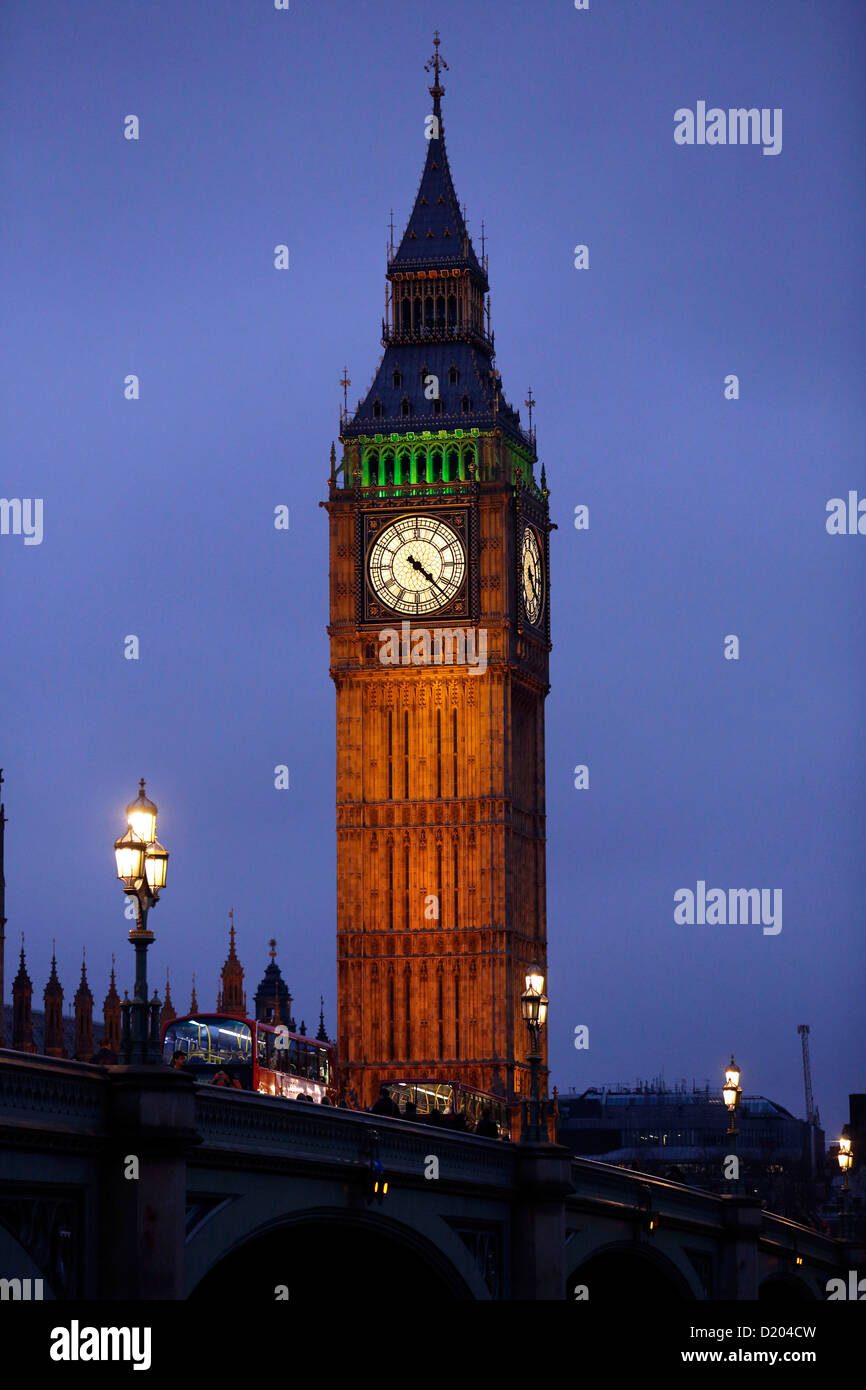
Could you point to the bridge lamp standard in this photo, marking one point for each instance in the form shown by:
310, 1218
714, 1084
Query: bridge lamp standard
845, 1156
142, 865
732, 1095
846, 1159
533, 1004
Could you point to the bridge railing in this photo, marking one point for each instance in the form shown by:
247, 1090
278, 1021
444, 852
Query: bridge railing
49, 1093
272, 1129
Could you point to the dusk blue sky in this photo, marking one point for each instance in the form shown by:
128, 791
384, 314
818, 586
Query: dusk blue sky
707, 516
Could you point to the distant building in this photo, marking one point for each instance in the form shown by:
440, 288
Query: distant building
55, 1034
682, 1135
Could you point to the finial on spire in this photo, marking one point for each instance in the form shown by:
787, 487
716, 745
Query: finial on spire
391, 244
433, 65
483, 245
273, 945
345, 382
529, 403
232, 929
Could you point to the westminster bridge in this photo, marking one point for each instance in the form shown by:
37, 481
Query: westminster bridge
133, 1182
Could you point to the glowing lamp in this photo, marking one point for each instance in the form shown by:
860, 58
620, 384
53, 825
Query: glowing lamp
156, 866
141, 816
129, 853
533, 1004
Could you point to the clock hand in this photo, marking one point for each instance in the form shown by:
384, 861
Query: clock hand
421, 570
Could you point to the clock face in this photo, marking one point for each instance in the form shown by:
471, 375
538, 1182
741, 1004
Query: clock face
531, 576
417, 565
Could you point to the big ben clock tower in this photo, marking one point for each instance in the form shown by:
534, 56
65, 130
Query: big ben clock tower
440, 635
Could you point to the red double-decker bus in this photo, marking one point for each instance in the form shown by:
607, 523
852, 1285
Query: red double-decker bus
263, 1057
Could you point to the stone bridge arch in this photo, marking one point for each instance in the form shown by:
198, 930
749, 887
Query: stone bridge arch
784, 1288
626, 1272
368, 1255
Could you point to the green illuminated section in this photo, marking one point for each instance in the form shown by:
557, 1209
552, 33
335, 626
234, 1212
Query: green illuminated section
413, 462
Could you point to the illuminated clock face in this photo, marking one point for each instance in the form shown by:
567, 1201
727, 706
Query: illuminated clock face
531, 576
417, 565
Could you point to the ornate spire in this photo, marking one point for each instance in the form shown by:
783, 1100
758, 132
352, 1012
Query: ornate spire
83, 1004
437, 91
322, 1035
231, 998
54, 988
53, 997
22, 1016
193, 1003
168, 1011
273, 1002
435, 374
111, 1013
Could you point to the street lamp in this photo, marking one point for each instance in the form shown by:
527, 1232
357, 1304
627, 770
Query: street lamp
533, 1004
732, 1095
142, 864
846, 1157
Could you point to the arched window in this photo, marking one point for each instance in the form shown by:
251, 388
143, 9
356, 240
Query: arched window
405, 406
466, 405
377, 409
425, 372
467, 460
440, 311
452, 465
386, 469
416, 313
404, 467
437, 406
397, 378
407, 313
436, 465
453, 375
428, 311
452, 310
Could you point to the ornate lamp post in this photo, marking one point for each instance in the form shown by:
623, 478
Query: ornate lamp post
732, 1095
141, 867
846, 1158
533, 1004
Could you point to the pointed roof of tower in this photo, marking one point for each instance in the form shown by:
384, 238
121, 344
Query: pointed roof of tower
436, 234
112, 998
193, 1003
168, 1011
457, 350
231, 996
54, 988
22, 979
83, 993
322, 1035
273, 988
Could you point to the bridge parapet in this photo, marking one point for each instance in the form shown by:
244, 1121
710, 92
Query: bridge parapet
264, 1129
50, 1094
